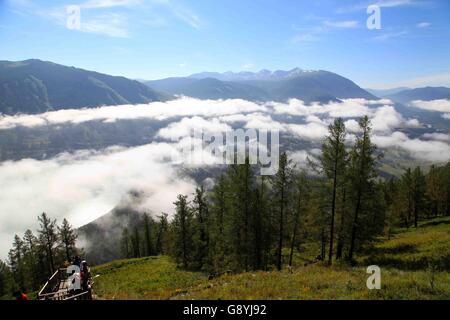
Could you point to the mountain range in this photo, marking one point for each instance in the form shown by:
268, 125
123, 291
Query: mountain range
425, 94
309, 86
35, 86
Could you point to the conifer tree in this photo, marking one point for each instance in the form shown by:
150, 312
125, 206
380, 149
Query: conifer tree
362, 172
184, 232
68, 238
49, 238
281, 188
333, 162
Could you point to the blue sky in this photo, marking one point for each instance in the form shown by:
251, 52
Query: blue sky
149, 39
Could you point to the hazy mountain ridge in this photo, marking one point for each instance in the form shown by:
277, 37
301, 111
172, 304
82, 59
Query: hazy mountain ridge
424, 94
309, 86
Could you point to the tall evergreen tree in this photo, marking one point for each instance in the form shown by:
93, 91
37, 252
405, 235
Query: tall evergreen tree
184, 232
407, 188
418, 193
17, 262
68, 237
31, 256
6, 280
362, 172
149, 250
202, 232
241, 178
163, 226
136, 243
125, 243
281, 188
49, 238
333, 161
301, 184
219, 215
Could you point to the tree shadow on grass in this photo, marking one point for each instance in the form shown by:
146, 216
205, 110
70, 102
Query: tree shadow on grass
411, 263
435, 223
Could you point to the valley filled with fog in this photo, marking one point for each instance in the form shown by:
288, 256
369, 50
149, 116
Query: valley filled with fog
79, 164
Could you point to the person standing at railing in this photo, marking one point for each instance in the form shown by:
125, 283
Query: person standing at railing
85, 275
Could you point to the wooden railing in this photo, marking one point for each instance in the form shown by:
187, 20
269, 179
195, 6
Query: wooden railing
51, 287
56, 288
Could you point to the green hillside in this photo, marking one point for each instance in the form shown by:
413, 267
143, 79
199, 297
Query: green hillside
414, 264
35, 86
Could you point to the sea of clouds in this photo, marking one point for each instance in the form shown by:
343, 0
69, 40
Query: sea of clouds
84, 185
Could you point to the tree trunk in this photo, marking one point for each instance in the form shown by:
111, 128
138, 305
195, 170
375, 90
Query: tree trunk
294, 232
355, 221
323, 247
280, 240
333, 208
340, 245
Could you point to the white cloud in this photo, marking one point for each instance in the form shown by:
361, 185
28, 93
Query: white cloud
381, 4
312, 130
390, 35
437, 136
111, 24
85, 185
423, 25
342, 24
352, 126
182, 13
436, 151
386, 118
183, 128
255, 121
441, 105
95, 4
300, 158
181, 107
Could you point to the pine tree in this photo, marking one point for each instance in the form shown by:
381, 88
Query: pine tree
136, 243
262, 226
184, 232
333, 162
362, 172
49, 238
281, 187
148, 223
125, 243
418, 193
407, 188
219, 214
436, 191
31, 256
241, 179
300, 196
201, 214
68, 238
17, 262
6, 280
163, 226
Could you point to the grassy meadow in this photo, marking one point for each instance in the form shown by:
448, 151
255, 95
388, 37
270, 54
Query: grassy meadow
415, 264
